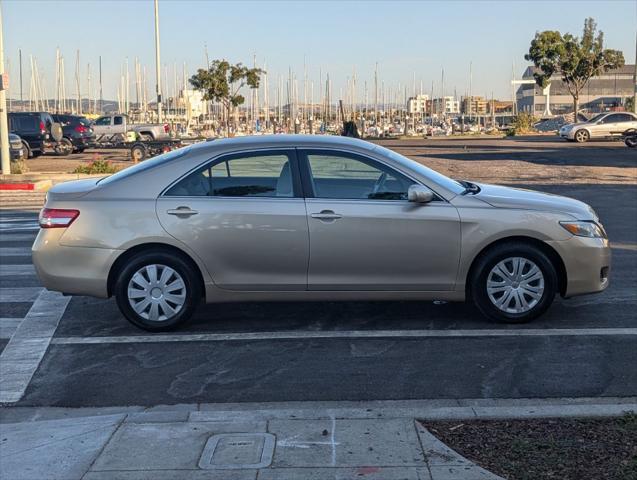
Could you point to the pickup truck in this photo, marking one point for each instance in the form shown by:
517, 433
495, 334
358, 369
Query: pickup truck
111, 127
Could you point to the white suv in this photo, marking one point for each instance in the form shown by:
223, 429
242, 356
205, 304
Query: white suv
612, 124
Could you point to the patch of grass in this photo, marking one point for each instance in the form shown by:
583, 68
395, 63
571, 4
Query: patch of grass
96, 167
19, 166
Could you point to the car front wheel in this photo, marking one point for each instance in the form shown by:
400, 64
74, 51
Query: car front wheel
157, 291
582, 136
513, 283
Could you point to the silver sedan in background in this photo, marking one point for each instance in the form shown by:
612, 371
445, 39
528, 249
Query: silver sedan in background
311, 218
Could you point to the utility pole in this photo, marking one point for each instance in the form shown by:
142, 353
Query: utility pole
635, 78
101, 93
157, 62
4, 126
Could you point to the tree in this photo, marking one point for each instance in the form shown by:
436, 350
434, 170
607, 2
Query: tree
575, 59
222, 82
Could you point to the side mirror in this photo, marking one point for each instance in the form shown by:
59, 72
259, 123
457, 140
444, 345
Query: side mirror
419, 194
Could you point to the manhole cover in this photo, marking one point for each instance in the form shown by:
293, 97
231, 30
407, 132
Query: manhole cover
238, 450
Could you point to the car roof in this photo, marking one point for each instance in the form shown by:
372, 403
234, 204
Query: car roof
284, 140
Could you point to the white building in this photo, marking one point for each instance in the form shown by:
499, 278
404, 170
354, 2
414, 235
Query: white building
194, 103
417, 104
446, 106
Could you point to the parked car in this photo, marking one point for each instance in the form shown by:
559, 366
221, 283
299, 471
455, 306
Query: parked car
38, 131
292, 217
603, 125
16, 148
77, 133
117, 126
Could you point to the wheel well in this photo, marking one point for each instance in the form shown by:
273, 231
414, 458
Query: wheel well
146, 247
549, 251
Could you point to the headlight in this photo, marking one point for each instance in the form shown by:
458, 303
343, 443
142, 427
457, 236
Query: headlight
585, 229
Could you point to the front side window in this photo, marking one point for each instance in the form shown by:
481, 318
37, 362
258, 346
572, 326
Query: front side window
253, 175
342, 176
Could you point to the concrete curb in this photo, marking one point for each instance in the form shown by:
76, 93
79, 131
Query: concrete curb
436, 409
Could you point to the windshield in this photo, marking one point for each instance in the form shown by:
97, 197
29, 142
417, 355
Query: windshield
145, 165
442, 180
597, 117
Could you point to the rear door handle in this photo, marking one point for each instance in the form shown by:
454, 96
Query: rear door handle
182, 211
326, 215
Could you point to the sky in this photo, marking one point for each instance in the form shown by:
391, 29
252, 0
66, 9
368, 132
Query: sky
405, 38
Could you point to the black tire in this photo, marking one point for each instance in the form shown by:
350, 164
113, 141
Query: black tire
27, 151
582, 136
193, 289
64, 147
487, 261
631, 142
138, 153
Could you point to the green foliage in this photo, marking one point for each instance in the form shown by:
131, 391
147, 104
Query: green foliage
522, 123
575, 59
96, 167
222, 82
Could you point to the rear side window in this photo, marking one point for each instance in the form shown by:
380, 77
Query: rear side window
118, 120
246, 175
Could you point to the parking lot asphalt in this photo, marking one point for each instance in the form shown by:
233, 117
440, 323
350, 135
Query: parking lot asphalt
582, 347
266, 352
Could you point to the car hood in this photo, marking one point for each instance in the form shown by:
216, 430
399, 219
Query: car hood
518, 198
573, 125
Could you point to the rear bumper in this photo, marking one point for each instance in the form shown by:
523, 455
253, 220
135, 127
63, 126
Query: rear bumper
587, 262
73, 270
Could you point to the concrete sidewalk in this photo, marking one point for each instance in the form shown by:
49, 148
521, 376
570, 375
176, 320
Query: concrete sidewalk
316, 441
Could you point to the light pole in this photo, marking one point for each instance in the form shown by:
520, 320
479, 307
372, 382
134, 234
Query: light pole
157, 62
4, 126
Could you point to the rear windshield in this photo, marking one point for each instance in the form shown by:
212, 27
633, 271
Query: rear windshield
145, 165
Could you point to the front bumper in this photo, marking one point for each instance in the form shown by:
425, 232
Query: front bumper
17, 153
587, 262
568, 134
73, 270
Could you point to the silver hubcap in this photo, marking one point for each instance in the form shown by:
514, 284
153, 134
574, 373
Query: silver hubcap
156, 292
515, 285
581, 136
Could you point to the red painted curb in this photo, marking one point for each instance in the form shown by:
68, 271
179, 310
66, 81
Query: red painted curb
17, 186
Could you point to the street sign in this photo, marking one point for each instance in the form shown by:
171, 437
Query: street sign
4, 81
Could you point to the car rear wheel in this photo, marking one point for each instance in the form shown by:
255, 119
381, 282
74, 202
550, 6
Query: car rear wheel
64, 147
513, 283
27, 151
582, 136
157, 291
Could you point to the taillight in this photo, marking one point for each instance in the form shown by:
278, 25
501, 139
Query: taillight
80, 129
42, 127
166, 128
57, 217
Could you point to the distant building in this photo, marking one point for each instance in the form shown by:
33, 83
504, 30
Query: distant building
474, 105
445, 106
603, 92
417, 104
193, 102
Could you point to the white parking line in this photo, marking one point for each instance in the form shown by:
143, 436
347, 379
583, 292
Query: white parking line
22, 355
17, 270
15, 252
223, 337
16, 237
19, 294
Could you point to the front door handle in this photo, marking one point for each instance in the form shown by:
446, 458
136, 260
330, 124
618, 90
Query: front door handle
182, 211
326, 215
